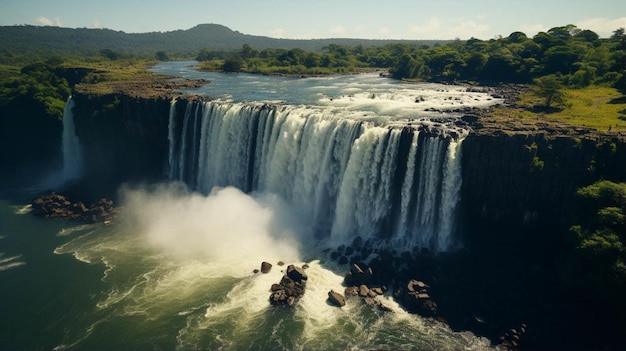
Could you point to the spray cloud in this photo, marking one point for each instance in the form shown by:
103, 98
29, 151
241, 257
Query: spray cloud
222, 226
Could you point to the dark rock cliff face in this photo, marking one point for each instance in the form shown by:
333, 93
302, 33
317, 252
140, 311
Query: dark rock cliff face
123, 138
524, 181
517, 195
517, 187
512, 180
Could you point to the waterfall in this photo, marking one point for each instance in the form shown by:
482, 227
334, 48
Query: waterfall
344, 177
72, 152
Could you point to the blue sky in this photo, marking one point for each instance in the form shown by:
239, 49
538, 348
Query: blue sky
381, 19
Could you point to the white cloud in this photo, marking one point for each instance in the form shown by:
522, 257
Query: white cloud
604, 27
48, 22
436, 28
96, 25
277, 33
384, 31
339, 30
428, 30
468, 29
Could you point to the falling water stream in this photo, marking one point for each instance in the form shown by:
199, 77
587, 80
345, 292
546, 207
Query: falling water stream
264, 178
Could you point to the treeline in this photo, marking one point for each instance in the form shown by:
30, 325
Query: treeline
334, 58
31, 43
576, 57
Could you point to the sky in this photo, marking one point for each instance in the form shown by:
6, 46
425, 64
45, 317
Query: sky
368, 19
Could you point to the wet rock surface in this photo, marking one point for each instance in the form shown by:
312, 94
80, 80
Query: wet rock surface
360, 282
290, 288
54, 205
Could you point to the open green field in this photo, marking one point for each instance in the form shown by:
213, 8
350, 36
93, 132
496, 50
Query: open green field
594, 107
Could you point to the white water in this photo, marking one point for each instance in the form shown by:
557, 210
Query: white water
178, 274
176, 270
343, 176
72, 152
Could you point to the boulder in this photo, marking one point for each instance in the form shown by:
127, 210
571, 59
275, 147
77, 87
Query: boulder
377, 291
415, 297
296, 273
336, 298
416, 285
54, 205
359, 274
290, 288
351, 291
266, 267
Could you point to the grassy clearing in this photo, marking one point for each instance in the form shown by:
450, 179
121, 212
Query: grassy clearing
113, 70
592, 107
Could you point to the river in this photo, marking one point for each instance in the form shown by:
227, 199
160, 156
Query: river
176, 269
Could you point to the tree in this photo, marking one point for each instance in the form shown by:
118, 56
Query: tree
248, 51
559, 59
517, 37
110, 54
550, 89
161, 56
233, 64
587, 35
600, 233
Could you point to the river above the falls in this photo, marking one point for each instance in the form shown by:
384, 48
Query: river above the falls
367, 94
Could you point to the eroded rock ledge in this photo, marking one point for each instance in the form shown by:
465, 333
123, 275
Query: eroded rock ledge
145, 87
54, 205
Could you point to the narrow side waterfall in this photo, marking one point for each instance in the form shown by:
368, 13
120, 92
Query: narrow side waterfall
72, 152
344, 177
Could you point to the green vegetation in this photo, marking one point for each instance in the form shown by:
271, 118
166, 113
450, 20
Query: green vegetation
573, 75
22, 44
599, 237
550, 89
333, 59
598, 107
576, 57
36, 82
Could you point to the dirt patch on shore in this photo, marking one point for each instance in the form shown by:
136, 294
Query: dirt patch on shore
147, 87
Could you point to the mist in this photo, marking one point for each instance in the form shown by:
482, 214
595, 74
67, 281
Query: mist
224, 225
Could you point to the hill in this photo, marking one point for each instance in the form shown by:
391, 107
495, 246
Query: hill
56, 41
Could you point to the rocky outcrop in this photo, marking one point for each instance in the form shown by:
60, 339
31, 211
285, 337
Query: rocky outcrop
336, 298
359, 282
415, 297
55, 205
291, 287
266, 267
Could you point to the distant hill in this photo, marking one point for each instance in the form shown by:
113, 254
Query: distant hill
50, 41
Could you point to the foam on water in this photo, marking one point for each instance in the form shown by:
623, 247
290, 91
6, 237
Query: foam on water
22, 210
211, 297
7, 263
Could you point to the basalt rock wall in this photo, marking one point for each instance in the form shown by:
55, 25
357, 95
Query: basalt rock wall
523, 182
123, 138
513, 181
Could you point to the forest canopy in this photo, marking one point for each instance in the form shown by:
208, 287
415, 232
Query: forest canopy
574, 57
